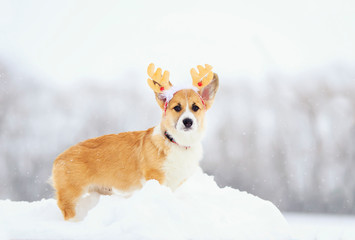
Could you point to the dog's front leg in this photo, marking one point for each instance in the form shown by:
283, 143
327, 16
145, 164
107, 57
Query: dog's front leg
154, 174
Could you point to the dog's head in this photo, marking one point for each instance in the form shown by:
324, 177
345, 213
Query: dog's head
184, 108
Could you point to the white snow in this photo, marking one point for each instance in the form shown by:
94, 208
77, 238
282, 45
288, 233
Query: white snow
199, 209
321, 226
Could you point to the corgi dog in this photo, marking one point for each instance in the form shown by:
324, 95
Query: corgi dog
168, 153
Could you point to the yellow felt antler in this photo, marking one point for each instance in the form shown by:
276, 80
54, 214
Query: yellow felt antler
203, 78
158, 82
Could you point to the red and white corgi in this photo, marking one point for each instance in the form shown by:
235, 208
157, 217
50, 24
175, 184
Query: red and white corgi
169, 152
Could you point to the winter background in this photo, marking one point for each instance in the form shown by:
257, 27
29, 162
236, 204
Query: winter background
283, 123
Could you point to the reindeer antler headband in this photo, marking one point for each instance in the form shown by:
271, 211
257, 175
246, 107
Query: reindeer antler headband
162, 86
203, 78
160, 83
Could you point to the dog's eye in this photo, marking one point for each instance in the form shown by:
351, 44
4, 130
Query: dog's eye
177, 108
195, 108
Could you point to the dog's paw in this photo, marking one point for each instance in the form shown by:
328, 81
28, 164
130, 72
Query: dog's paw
68, 213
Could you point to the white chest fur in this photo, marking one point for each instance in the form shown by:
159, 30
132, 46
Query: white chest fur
180, 164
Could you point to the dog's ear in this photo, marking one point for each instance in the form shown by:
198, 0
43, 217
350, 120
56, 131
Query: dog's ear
161, 99
209, 92
207, 83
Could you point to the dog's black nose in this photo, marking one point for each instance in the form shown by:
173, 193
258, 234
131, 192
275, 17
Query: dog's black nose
187, 122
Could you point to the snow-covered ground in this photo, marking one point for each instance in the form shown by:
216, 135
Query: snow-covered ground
321, 226
199, 209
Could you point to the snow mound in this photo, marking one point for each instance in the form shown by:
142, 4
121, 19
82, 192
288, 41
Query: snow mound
199, 209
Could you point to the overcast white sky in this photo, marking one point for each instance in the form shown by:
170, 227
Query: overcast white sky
66, 41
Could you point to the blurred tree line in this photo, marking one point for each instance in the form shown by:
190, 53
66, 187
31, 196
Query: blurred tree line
288, 139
